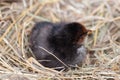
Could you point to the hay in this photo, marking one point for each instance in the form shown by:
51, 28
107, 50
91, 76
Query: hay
17, 18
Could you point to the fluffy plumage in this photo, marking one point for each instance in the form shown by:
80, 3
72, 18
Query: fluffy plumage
64, 40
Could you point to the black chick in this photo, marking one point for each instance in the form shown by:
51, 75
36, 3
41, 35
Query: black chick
58, 44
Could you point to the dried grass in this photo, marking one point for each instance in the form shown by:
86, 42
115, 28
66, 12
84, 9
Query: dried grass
101, 16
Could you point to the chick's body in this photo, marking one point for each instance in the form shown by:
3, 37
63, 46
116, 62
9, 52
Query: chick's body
60, 39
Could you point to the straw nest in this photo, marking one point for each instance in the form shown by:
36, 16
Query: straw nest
17, 18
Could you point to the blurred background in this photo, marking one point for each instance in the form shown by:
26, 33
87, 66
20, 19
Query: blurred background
17, 18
